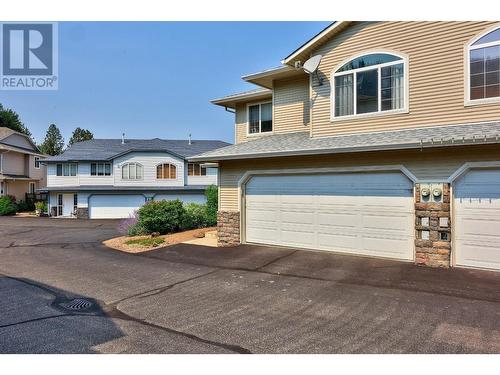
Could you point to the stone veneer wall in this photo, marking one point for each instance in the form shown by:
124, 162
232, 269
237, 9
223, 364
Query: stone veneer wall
228, 228
82, 213
433, 252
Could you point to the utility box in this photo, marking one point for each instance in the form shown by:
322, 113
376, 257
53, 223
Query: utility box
431, 192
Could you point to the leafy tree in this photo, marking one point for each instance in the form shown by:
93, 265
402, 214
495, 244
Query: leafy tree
212, 204
10, 119
53, 143
80, 135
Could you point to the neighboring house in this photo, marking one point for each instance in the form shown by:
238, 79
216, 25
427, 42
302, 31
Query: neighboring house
111, 178
390, 149
21, 170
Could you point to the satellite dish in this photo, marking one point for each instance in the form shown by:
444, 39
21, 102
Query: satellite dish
311, 67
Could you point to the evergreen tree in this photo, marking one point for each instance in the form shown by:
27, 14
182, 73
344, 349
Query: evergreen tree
80, 135
10, 119
53, 143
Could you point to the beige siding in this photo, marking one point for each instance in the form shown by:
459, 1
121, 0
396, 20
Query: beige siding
291, 105
18, 189
290, 109
436, 74
242, 122
428, 164
13, 163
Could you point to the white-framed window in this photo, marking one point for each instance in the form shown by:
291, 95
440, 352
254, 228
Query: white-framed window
373, 83
260, 118
100, 169
66, 169
132, 171
37, 162
483, 67
166, 171
59, 204
195, 169
31, 187
75, 203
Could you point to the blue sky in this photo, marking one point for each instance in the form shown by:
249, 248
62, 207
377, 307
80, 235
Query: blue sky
154, 79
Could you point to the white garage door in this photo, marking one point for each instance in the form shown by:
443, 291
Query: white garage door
360, 213
186, 198
114, 206
477, 219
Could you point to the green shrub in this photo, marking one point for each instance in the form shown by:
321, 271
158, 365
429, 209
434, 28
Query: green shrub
196, 216
162, 216
136, 230
7, 206
41, 206
212, 205
25, 206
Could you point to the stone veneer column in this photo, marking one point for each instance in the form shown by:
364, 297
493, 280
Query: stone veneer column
228, 228
82, 213
433, 252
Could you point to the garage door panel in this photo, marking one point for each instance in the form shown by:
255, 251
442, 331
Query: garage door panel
114, 206
337, 220
394, 223
477, 219
341, 212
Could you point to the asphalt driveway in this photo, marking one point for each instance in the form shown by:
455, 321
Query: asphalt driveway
248, 299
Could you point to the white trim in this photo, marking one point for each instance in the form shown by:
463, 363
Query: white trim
466, 167
29, 187
312, 41
35, 159
472, 165
260, 133
131, 179
371, 168
467, 48
268, 72
405, 61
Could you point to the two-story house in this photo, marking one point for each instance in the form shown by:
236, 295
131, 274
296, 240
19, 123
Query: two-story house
390, 148
111, 178
21, 170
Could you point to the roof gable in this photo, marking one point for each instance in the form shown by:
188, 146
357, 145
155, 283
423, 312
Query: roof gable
12, 138
304, 51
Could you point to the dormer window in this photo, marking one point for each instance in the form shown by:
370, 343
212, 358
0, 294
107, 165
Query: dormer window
260, 118
372, 83
484, 67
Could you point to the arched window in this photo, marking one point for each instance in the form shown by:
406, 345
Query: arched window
132, 171
166, 171
484, 66
370, 83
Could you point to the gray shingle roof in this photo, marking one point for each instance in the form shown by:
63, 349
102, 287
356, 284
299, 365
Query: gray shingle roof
107, 149
301, 143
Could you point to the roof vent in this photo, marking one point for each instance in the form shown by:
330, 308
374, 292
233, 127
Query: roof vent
123, 138
189, 138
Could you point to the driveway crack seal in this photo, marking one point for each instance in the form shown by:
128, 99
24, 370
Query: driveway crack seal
161, 289
115, 313
275, 260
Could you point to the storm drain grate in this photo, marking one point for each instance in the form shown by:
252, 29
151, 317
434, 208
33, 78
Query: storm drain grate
77, 304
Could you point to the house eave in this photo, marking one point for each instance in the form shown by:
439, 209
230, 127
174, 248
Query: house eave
375, 148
